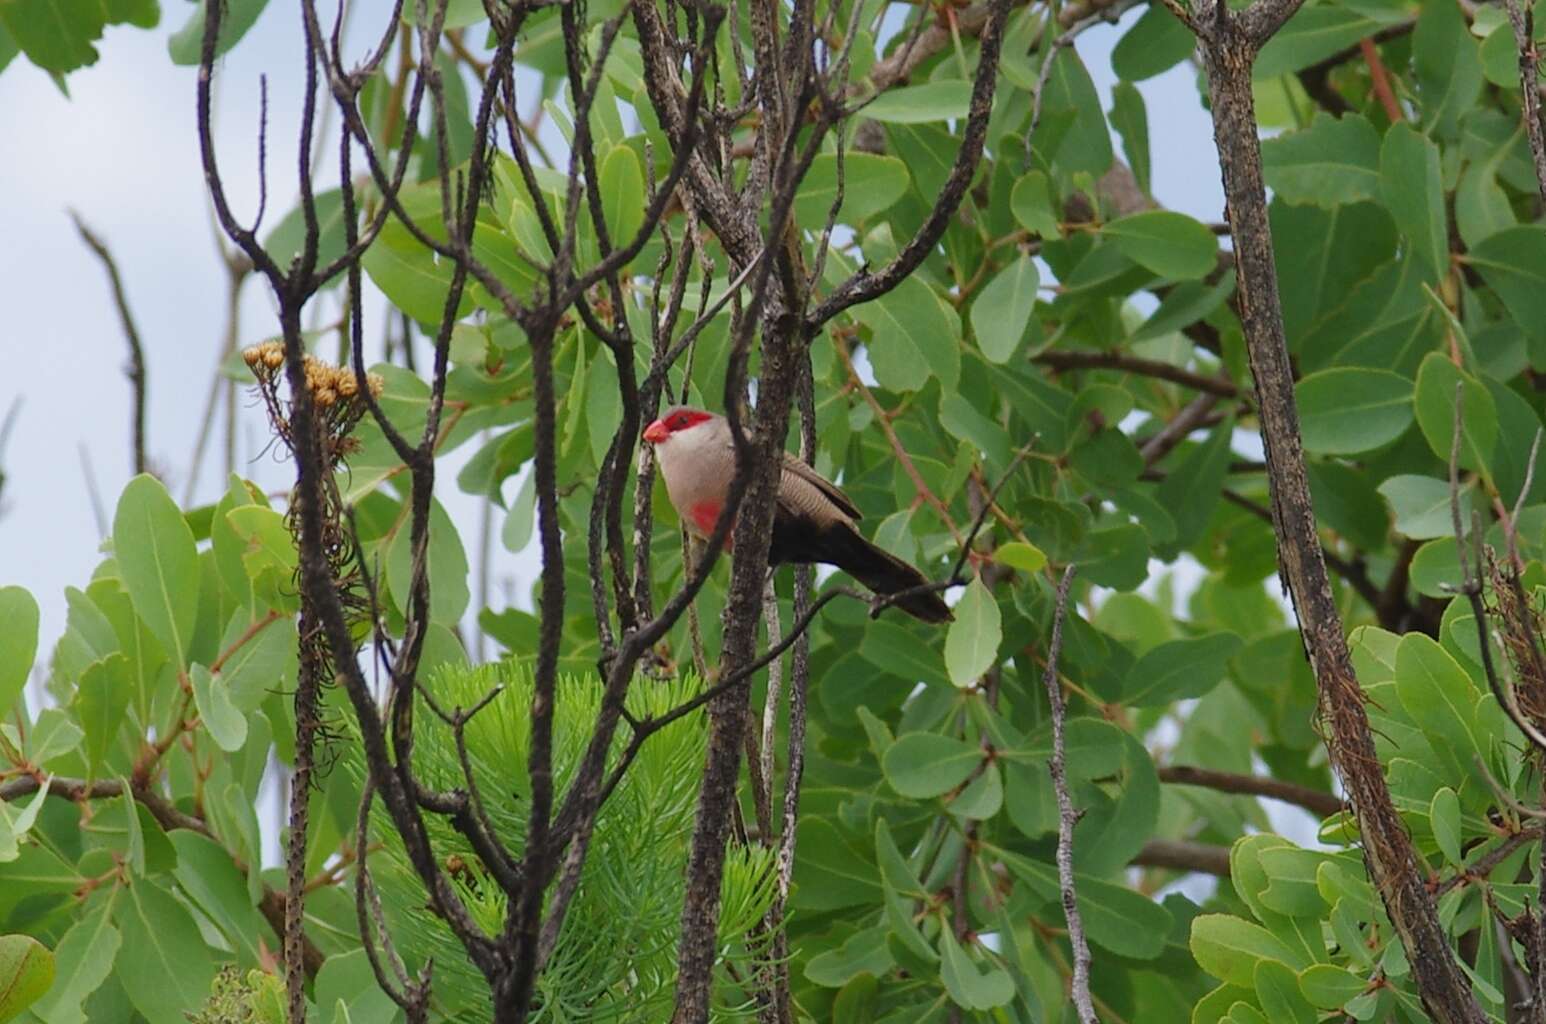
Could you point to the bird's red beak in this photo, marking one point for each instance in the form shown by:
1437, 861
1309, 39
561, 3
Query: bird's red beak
657, 432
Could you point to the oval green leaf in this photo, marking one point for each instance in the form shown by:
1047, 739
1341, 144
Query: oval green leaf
19, 641
158, 562
871, 183
917, 104
1437, 381
26, 972
1170, 244
1003, 311
971, 646
924, 764
226, 725
1347, 410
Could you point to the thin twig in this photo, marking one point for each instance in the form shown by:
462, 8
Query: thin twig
1315, 801
136, 368
1067, 816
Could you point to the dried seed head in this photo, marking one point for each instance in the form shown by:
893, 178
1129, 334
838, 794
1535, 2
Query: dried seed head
325, 397
252, 355
377, 384
346, 385
274, 357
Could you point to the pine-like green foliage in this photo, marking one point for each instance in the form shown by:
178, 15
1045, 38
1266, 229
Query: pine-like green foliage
616, 957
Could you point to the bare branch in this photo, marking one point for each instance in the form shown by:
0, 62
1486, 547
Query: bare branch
1394, 867
1067, 359
136, 368
1313, 800
1067, 816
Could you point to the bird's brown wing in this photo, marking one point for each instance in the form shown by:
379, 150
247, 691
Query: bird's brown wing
802, 489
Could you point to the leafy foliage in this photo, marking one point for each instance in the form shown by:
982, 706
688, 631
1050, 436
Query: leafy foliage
1067, 337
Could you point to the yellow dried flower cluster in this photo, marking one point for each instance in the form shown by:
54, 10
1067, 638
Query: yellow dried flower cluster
328, 384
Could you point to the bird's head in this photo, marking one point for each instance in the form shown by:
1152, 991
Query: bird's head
675, 421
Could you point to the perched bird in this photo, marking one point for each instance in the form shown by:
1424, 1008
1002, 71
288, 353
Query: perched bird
814, 521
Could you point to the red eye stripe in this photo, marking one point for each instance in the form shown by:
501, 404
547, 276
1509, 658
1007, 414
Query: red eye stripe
687, 418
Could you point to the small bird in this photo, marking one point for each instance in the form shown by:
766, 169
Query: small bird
814, 521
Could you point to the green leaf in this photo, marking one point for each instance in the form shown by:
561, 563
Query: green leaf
916, 104
622, 195
1002, 310
1313, 34
26, 972
409, 274
1277, 987
1437, 381
971, 646
1422, 507
1120, 920
447, 568
347, 983
1332, 162
1229, 948
1031, 202
871, 183
236, 17
163, 964
285, 242
1439, 696
227, 726
981, 798
516, 533
1170, 244
158, 563
603, 406
1191, 490
1413, 191
1157, 42
969, 987
262, 665
268, 554
56, 37
101, 702
207, 876
1027, 558
1513, 263
1179, 669
1448, 63
1348, 410
865, 952
1444, 816
914, 337
1435, 570
1328, 986
85, 957
925, 764
1131, 120
19, 641
896, 650
1073, 133
894, 868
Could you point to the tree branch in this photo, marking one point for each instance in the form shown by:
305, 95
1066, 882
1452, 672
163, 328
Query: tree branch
1067, 816
1313, 800
136, 368
1068, 359
1230, 45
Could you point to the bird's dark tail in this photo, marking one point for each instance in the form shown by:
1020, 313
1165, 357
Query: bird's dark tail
882, 572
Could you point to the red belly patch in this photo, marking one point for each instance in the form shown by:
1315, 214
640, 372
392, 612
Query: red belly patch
704, 515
